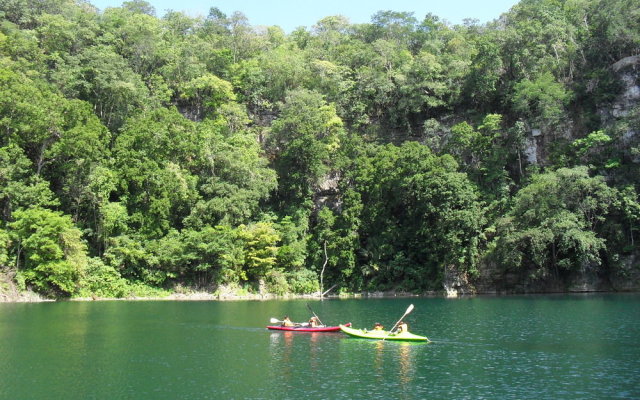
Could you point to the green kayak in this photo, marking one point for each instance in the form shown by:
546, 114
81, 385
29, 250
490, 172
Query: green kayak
365, 334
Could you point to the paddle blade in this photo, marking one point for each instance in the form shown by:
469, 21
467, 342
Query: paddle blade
274, 320
409, 309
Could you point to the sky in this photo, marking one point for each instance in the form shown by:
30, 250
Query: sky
290, 14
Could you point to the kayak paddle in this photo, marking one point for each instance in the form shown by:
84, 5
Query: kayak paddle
314, 314
409, 309
277, 321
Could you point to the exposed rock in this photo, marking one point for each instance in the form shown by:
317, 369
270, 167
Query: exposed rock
327, 192
628, 71
587, 280
630, 61
9, 292
531, 150
456, 283
627, 276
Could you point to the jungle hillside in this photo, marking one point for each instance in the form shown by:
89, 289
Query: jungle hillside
144, 153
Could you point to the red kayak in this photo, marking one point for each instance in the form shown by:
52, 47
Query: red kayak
306, 328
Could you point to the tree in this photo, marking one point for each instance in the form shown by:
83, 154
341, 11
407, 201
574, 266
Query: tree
206, 94
542, 100
20, 187
156, 155
486, 75
553, 226
260, 242
235, 178
139, 6
67, 33
50, 253
303, 140
103, 78
32, 116
421, 215
393, 26
137, 35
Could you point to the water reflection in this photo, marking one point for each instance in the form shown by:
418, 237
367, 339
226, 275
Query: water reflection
379, 360
389, 359
281, 346
314, 352
406, 365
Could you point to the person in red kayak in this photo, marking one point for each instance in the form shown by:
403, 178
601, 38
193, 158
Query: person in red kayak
313, 322
286, 321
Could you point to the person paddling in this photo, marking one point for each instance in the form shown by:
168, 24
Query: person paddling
313, 322
286, 321
402, 328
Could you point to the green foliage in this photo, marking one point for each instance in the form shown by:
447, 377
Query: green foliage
304, 139
598, 138
127, 255
207, 152
233, 175
484, 153
51, 255
421, 215
303, 281
100, 280
554, 222
277, 283
630, 208
19, 186
102, 77
4, 247
155, 156
207, 93
260, 241
542, 100
292, 251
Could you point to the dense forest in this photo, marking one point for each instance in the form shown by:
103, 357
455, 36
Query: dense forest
142, 153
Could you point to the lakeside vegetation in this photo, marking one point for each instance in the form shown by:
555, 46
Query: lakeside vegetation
141, 152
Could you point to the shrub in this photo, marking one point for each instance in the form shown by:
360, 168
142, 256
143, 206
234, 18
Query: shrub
303, 281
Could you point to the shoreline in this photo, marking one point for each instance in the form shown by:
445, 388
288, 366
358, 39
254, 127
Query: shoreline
31, 297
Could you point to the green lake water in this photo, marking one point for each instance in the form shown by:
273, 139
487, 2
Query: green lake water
512, 347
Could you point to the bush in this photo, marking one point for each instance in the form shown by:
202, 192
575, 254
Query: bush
303, 281
276, 281
4, 248
101, 280
53, 253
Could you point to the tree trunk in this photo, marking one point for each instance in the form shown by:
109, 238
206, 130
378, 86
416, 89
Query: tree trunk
326, 259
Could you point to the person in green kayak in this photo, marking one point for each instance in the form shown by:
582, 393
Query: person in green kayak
378, 327
286, 321
402, 327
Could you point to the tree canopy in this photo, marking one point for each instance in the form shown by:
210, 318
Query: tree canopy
141, 151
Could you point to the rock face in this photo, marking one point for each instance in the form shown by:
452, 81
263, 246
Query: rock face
627, 276
628, 70
327, 192
456, 283
628, 101
9, 291
531, 149
624, 277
